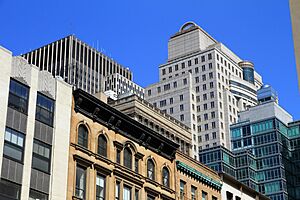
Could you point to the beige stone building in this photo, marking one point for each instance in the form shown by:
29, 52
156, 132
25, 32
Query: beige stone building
154, 118
113, 156
195, 181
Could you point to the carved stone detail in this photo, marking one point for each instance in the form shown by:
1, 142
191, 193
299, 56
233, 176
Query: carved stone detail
21, 69
46, 83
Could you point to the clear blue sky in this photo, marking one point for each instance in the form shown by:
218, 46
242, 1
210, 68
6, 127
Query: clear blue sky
135, 33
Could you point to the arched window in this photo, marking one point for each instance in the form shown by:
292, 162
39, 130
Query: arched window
166, 177
127, 158
150, 169
102, 145
83, 136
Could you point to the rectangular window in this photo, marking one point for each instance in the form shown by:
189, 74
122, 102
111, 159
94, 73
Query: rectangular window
181, 97
41, 156
9, 190
18, 96
176, 67
126, 193
171, 101
35, 195
182, 65
136, 165
181, 117
202, 58
136, 194
118, 156
175, 84
158, 89
44, 109
182, 190
13, 145
193, 193
204, 195
181, 107
80, 182
214, 198
209, 56
184, 81
117, 192
100, 187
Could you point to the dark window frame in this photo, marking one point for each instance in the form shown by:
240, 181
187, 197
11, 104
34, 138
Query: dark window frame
14, 146
102, 145
77, 186
166, 177
40, 157
25, 100
150, 172
40, 108
84, 138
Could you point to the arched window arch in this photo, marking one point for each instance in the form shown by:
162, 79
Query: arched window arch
166, 177
102, 145
127, 157
83, 136
150, 169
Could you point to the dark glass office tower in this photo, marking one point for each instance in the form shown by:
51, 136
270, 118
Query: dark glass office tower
77, 63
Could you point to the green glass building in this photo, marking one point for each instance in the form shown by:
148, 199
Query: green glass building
265, 151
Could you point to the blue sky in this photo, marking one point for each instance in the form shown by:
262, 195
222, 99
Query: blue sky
135, 33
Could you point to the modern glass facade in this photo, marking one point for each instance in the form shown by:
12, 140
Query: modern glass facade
265, 156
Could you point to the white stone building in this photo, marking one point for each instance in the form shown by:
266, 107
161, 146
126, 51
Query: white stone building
120, 85
35, 113
204, 85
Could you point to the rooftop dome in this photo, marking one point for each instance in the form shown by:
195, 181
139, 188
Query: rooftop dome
187, 26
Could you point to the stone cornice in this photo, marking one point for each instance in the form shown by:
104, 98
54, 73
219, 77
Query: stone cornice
198, 175
104, 114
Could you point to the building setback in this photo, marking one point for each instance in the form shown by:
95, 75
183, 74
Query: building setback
204, 85
35, 114
77, 63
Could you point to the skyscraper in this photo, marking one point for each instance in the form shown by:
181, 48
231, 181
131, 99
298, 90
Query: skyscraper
264, 150
204, 85
79, 64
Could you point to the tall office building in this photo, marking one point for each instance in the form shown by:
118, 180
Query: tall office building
265, 149
204, 85
35, 113
79, 65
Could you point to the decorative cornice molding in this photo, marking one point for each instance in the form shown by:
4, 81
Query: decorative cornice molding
104, 114
198, 175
